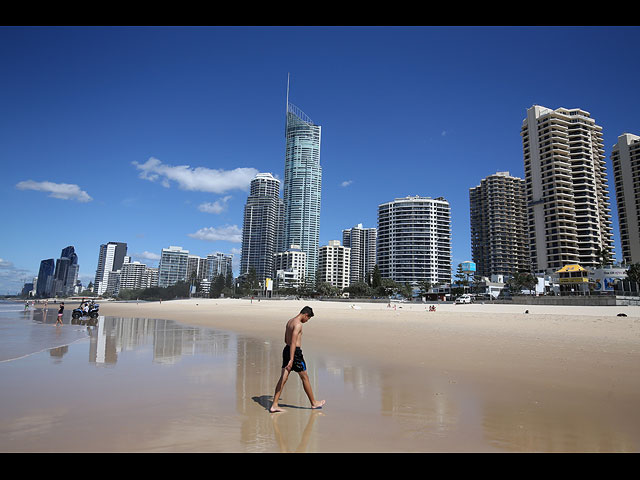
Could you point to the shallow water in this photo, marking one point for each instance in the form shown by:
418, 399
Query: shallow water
145, 385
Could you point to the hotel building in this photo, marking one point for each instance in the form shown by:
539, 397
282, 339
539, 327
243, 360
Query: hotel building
261, 226
626, 174
499, 229
290, 266
334, 262
566, 187
110, 259
414, 240
173, 266
302, 187
362, 242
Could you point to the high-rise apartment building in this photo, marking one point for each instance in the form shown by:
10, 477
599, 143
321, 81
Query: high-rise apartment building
136, 275
44, 284
173, 266
219, 263
334, 262
362, 242
302, 186
567, 194
290, 267
414, 240
625, 157
66, 272
261, 228
110, 259
499, 228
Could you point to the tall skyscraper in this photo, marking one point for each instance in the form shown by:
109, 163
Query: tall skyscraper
626, 174
362, 242
302, 186
499, 228
567, 193
45, 278
261, 226
110, 259
66, 272
173, 266
414, 240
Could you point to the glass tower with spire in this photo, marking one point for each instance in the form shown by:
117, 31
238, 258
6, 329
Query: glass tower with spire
302, 186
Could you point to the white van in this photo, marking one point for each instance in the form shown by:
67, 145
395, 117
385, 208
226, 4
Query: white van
466, 298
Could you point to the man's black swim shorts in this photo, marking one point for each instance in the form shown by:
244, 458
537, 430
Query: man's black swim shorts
298, 360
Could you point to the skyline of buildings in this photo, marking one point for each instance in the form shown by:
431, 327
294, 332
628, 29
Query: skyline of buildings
558, 214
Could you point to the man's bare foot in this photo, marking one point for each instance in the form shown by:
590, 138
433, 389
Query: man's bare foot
318, 404
275, 409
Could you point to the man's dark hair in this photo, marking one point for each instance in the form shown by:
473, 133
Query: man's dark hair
307, 311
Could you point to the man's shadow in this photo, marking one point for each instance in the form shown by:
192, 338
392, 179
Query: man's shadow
267, 400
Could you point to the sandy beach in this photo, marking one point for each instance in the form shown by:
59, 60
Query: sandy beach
479, 378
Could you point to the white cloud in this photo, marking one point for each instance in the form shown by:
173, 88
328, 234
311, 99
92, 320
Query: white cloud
229, 233
218, 206
5, 263
64, 191
197, 179
147, 255
346, 183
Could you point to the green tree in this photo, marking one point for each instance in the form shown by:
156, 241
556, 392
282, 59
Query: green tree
376, 277
359, 289
217, 286
633, 273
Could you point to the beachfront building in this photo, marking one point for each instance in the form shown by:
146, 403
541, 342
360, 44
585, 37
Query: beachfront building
625, 157
262, 227
110, 258
566, 187
414, 240
44, 284
334, 264
173, 266
302, 186
290, 267
219, 263
66, 272
499, 229
362, 242
136, 275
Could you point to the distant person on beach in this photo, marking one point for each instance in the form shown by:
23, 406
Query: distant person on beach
292, 359
59, 321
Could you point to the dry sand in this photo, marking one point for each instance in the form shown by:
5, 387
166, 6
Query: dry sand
558, 378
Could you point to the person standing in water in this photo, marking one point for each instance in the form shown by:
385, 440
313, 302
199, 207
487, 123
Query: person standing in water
59, 321
292, 359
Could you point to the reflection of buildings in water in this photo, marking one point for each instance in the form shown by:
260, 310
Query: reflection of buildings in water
528, 426
169, 340
59, 352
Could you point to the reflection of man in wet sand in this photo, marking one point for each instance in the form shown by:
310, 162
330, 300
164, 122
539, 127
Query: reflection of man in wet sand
292, 359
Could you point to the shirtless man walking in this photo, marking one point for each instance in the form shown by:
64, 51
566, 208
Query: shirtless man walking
292, 359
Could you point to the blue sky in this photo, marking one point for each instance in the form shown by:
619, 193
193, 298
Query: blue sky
97, 121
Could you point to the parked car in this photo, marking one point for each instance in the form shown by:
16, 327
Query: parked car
466, 298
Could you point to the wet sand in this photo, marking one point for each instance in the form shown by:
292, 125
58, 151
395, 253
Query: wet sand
466, 378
